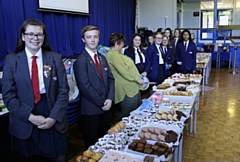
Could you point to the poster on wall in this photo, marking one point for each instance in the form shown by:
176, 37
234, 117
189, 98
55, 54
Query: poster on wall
65, 6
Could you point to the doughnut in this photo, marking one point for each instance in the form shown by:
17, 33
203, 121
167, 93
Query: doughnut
113, 155
124, 157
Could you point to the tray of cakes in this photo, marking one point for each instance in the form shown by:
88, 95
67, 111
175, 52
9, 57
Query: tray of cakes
182, 107
179, 77
158, 150
161, 132
120, 156
175, 92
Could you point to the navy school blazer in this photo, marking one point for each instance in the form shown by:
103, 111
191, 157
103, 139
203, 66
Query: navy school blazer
18, 93
188, 58
94, 91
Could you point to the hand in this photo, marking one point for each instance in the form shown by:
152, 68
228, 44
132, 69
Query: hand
36, 119
144, 74
107, 105
47, 123
140, 81
170, 65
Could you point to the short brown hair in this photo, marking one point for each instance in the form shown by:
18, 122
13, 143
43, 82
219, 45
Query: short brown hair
116, 38
89, 28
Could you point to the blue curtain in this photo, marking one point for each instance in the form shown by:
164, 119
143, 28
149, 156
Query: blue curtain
63, 30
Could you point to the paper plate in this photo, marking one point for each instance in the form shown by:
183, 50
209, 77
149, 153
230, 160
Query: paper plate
146, 84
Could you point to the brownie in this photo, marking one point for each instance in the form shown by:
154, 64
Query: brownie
164, 145
166, 154
135, 140
151, 159
160, 151
148, 151
154, 147
142, 141
169, 149
140, 145
148, 159
148, 146
139, 149
132, 146
158, 143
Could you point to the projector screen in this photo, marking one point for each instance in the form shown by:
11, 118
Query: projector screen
65, 6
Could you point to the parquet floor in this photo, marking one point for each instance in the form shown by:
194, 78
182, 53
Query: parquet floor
218, 135
218, 124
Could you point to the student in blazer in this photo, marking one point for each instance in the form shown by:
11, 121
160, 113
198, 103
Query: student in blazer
173, 43
96, 84
136, 52
186, 54
154, 54
167, 54
31, 120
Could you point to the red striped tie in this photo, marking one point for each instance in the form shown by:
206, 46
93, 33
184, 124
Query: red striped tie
35, 81
98, 66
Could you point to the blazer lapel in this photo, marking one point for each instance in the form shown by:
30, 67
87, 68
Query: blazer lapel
47, 61
92, 65
23, 65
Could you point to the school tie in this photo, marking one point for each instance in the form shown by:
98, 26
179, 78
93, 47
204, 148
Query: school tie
98, 66
35, 81
140, 57
165, 50
185, 46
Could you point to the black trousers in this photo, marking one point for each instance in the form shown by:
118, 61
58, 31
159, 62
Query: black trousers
161, 74
95, 126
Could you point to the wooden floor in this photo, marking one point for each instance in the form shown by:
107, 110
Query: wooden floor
218, 123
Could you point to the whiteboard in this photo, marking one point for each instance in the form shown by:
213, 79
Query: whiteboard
75, 6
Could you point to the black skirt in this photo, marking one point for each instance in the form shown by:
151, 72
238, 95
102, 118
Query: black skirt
45, 142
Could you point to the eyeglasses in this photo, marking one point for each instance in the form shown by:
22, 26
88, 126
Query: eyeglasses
158, 38
32, 36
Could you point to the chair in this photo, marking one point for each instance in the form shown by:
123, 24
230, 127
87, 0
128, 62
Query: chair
225, 54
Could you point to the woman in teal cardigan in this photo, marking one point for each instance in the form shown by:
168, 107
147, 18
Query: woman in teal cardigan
127, 78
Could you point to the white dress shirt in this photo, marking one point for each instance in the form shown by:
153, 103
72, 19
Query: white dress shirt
39, 61
91, 54
137, 58
186, 44
160, 55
